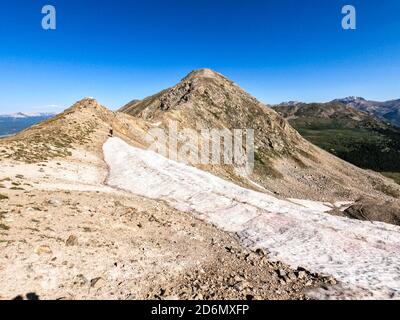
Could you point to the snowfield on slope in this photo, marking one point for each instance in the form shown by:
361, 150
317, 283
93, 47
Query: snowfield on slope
363, 256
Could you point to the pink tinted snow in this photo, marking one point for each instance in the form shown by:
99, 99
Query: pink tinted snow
363, 256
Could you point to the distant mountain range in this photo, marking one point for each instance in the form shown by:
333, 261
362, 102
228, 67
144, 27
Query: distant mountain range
13, 123
387, 111
351, 129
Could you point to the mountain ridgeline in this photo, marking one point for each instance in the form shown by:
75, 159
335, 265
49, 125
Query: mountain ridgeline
388, 111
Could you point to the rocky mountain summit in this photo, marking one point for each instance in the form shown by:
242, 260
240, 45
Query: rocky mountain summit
285, 163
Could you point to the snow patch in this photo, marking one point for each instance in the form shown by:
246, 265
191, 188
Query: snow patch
314, 205
364, 256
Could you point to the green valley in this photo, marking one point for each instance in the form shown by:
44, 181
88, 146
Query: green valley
353, 136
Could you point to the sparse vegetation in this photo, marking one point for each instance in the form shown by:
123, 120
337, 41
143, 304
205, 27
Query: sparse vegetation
388, 190
392, 175
17, 189
265, 167
4, 227
299, 162
3, 197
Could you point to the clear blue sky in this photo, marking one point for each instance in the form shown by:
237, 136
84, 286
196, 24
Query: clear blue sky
116, 51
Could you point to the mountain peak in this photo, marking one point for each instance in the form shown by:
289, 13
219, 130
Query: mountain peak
203, 73
87, 103
88, 100
350, 99
205, 98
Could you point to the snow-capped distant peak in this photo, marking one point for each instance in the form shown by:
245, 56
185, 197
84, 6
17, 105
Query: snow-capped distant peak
352, 99
22, 115
290, 103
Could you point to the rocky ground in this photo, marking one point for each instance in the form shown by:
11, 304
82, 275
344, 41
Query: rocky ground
66, 235
98, 245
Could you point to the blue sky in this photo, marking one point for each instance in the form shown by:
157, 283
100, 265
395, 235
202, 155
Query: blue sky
115, 51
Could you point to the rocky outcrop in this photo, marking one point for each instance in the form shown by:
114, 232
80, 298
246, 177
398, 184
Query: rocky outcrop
375, 210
